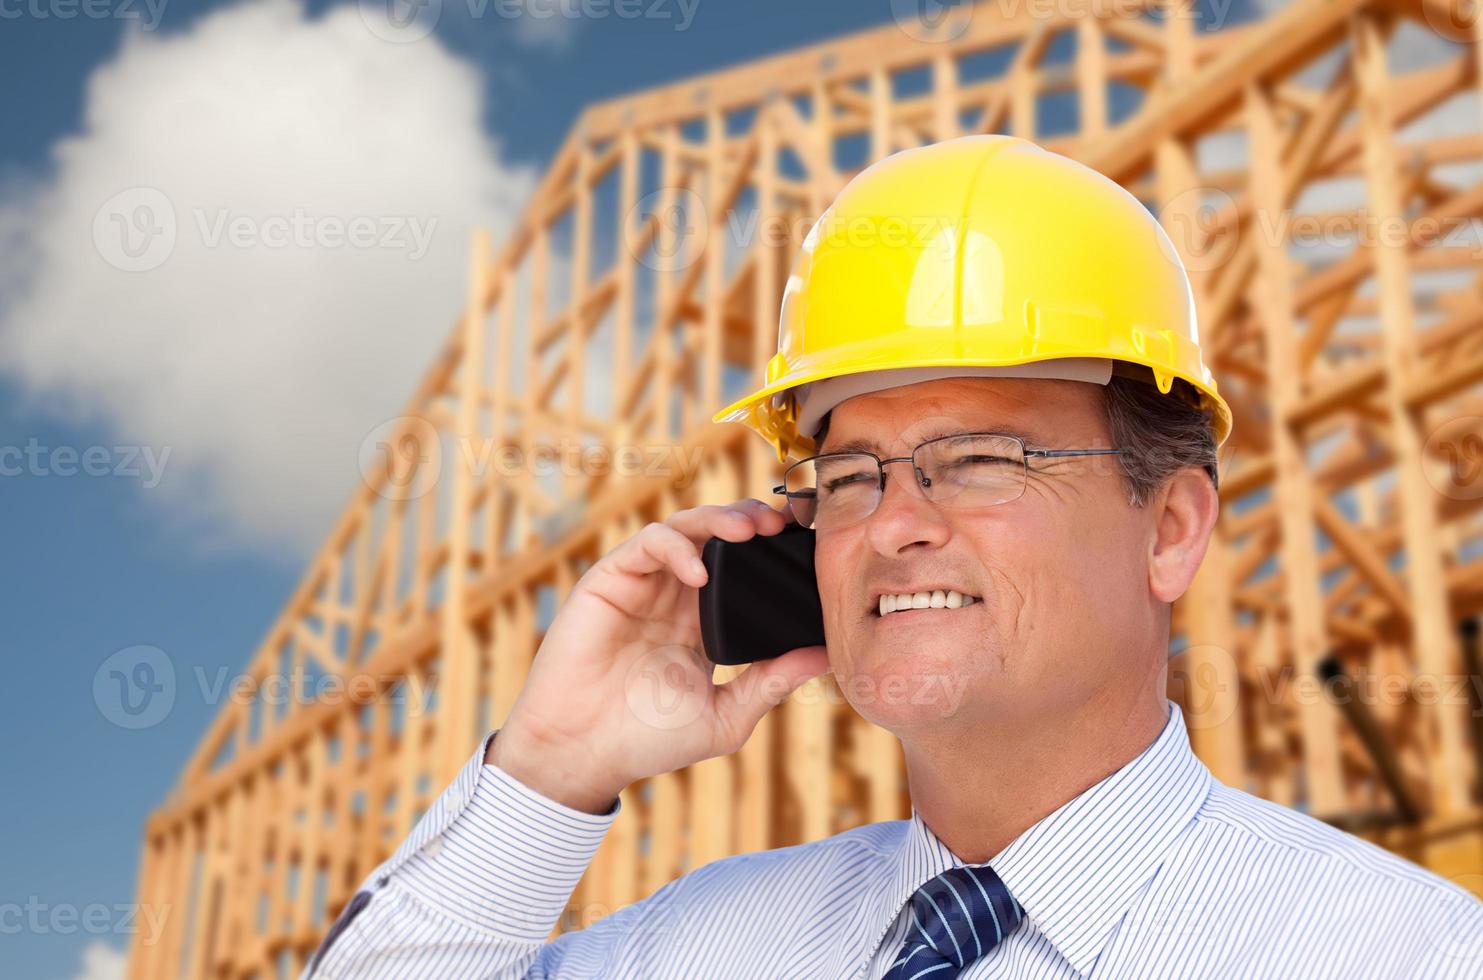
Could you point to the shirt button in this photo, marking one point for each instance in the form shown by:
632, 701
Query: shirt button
434, 847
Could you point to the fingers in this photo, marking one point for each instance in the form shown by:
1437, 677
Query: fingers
742, 701
659, 547
738, 521
675, 544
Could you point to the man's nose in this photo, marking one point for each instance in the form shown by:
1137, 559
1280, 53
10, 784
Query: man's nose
905, 517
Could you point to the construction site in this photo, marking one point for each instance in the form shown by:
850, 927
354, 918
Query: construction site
1325, 193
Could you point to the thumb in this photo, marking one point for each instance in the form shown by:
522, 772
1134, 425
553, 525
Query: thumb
742, 701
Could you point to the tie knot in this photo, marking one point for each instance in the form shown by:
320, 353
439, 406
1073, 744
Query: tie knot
957, 917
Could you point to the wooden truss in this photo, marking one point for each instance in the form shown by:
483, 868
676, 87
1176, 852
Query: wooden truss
640, 292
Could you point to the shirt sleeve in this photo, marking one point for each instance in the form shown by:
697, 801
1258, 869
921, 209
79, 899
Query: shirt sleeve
474, 890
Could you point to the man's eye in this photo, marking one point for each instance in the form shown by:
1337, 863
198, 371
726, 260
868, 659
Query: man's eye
848, 480
977, 460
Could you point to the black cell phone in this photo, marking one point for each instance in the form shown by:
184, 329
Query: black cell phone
761, 599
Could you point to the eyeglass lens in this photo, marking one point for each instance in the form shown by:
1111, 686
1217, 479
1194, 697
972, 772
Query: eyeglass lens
968, 471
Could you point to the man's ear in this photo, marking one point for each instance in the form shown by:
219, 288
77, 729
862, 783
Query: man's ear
1185, 511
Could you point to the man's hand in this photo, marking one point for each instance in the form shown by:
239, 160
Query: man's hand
620, 688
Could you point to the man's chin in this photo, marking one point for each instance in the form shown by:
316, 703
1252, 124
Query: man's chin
901, 690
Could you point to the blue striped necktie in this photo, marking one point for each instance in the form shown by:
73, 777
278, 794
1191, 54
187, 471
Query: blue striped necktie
955, 918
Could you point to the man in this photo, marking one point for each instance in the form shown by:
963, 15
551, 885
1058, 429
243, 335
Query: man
988, 357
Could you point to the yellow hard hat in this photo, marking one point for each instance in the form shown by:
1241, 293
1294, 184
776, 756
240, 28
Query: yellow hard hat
981, 255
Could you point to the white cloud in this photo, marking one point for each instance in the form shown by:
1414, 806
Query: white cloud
101, 961
263, 345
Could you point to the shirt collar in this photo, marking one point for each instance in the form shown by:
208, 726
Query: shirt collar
1078, 869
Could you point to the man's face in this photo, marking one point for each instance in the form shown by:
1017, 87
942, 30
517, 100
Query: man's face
1062, 611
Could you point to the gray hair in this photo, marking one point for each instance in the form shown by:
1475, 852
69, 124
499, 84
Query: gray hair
1162, 433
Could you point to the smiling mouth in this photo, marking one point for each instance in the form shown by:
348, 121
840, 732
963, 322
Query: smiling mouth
891, 603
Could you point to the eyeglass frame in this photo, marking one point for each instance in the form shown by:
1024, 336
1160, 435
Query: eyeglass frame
1026, 455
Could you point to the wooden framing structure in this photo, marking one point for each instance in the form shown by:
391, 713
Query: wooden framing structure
634, 298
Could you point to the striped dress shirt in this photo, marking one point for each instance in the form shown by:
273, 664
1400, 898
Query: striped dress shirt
1157, 870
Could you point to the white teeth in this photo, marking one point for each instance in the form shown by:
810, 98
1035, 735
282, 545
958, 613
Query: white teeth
936, 599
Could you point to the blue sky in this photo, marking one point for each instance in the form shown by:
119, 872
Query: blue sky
199, 564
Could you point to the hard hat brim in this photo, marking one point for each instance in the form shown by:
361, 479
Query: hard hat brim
778, 423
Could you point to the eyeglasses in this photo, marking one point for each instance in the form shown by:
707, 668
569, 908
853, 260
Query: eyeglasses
966, 471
